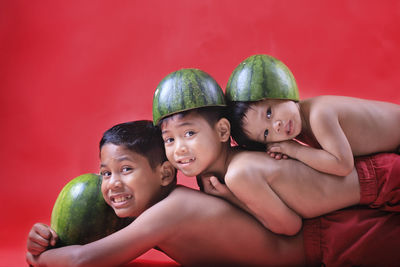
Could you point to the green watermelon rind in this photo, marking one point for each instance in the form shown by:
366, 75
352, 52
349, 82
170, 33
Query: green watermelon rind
261, 77
80, 215
184, 90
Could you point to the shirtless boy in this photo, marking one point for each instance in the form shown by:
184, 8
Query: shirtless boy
265, 108
196, 229
278, 193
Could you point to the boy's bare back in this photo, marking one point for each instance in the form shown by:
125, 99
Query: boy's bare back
369, 126
250, 245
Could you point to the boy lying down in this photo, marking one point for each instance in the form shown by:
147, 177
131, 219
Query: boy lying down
196, 229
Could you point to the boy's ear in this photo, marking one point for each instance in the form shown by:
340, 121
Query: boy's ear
224, 129
167, 173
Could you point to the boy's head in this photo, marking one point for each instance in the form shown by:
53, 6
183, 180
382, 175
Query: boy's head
255, 124
260, 83
135, 171
189, 107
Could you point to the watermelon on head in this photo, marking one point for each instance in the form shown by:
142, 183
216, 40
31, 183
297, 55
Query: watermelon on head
183, 90
80, 215
261, 77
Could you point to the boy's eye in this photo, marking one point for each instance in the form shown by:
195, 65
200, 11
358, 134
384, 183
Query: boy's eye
189, 133
105, 174
266, 133
269, 112
168, 140
126, 169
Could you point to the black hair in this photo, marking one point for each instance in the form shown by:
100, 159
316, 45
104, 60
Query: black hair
236, 112
141, 137
212, 114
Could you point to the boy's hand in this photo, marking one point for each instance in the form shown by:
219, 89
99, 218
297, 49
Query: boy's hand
40, 237
283, 150
214, 187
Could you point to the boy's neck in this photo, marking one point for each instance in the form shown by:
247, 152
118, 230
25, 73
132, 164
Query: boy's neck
220, 166
306, 136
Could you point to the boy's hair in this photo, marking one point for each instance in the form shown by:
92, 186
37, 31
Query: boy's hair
236, 113
211, 114
141, 137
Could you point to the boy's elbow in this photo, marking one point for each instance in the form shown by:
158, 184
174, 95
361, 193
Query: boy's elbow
346, 167
287, 228
294, 227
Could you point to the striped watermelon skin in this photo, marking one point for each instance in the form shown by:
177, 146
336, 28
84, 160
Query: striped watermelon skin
80, 215
183, 90
259, 77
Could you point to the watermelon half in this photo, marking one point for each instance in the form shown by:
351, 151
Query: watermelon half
183, 90
260, 77
80, 215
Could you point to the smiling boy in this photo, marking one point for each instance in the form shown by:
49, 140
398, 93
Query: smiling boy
196, 229
189, 226
278, 193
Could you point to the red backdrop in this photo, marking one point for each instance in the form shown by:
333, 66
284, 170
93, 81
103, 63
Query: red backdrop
71, 69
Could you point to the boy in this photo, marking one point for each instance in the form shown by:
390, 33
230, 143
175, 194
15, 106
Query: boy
196, 137
139, 182
266, 109
199, 230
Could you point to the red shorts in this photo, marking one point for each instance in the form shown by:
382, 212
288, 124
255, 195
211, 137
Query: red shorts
360, 235
379, 177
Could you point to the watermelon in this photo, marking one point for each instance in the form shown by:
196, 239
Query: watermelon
260, 77
80, 215
183, 90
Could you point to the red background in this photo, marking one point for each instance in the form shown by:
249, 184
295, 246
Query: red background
69, 70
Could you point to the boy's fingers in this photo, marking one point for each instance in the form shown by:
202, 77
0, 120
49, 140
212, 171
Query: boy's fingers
30, 259
214, 181
43, 230
275, 149
54, 237
36, 250
35, 238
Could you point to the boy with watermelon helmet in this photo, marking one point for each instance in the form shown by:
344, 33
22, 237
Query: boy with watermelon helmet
277, 193
265, 110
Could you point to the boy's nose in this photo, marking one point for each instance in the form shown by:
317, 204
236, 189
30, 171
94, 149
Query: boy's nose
180, 147
277, 126
115, 181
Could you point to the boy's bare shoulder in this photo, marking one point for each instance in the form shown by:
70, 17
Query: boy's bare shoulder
244, 161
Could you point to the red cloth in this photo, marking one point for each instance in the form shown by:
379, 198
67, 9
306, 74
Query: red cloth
359, 235
379, 177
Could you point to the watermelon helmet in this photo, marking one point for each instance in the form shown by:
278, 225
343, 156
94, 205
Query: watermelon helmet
259, 77
183, 90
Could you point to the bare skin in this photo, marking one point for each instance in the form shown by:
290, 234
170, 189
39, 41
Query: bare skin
191, 227
336, 128
277, 193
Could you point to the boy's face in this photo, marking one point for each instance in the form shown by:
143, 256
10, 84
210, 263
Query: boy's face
272, 120
130, 185
191, 144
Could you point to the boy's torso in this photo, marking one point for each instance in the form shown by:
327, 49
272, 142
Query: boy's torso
370, 126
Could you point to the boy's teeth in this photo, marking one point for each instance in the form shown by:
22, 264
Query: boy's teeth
121, 199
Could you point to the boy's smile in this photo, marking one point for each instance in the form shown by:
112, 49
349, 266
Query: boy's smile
129, 184
191, 144
272, 120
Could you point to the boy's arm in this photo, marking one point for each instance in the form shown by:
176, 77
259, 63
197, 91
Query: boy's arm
335, 157
254, 193
145, 232
309, 192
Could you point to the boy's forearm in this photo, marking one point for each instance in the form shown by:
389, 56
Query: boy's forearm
323, 161
59, 257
